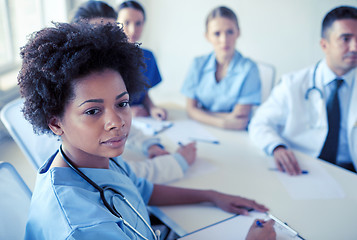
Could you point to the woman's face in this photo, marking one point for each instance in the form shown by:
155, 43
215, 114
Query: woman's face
133, 23
222, 33
96, 123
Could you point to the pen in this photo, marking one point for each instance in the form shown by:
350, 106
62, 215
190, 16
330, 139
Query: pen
277, 220
204, 140
259, 223
163, 129
302, 171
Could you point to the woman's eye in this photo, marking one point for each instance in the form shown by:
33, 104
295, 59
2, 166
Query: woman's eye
123, 104
230, 32
216, 34
92, 111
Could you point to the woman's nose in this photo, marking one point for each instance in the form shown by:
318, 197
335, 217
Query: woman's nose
223, 38
113, 120
130, 30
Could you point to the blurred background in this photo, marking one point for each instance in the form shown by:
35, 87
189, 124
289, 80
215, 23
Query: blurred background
284, 33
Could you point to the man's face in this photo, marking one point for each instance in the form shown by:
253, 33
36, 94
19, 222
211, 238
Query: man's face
340, 46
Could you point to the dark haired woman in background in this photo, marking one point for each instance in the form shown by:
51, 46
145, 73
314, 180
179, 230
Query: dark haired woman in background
132, 15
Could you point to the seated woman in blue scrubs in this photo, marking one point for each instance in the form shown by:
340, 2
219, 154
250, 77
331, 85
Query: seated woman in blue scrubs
222, 87
76, 81
132, 15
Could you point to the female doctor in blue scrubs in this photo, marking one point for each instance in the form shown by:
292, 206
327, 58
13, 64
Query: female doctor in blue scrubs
222, 87
76, 80
132, 15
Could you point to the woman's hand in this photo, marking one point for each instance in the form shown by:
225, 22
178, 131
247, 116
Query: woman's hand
236, 204
158, 113
264, 232
234, 123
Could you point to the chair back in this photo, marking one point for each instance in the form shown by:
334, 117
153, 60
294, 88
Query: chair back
14, 203
36, 148
267, 76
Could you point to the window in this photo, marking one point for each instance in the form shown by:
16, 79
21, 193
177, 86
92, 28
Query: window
5, 37
18, 19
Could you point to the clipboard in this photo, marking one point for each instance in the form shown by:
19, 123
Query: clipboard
237, 227
150, 126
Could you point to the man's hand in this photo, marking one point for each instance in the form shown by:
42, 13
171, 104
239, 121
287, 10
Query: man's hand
155, 151
286, 161
188, 152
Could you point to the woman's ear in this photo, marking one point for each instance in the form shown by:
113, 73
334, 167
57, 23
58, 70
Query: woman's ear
55, 125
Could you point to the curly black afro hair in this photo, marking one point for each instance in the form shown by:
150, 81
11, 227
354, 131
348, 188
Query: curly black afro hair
55, 57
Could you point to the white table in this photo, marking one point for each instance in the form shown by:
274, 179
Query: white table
242, 169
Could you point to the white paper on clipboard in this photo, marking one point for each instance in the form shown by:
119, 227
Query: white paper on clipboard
236, 227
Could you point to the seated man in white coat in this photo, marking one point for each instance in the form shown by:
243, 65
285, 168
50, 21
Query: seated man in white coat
314, 110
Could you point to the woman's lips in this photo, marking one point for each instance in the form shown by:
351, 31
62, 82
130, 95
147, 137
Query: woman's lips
115, 141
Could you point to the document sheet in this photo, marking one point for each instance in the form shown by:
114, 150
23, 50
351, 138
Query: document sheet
186, 131
317, 184
236, 227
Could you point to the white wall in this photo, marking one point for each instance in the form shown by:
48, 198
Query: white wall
285, 33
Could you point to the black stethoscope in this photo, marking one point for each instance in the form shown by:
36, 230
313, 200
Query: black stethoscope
102, 190
314, 88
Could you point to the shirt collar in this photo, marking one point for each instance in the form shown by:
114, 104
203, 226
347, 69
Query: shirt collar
328, 75
211, 63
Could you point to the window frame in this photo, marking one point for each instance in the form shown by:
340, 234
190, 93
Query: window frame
11, 63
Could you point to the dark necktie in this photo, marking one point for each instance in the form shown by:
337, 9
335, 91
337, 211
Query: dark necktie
329, 150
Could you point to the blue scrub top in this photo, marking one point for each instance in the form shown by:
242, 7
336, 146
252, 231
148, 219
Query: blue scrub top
241, 85
65, 206
151, 76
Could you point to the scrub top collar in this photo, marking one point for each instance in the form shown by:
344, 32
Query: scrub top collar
328, 75
44, 168
211, 63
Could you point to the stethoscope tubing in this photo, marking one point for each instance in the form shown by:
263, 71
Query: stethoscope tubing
101, 191
308, 91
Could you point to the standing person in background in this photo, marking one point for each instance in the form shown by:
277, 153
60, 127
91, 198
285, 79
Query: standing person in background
314, 110
222, 87
161, 167
132, 15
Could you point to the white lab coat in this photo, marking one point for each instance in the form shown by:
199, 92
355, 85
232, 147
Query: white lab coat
160, 169
288, 118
